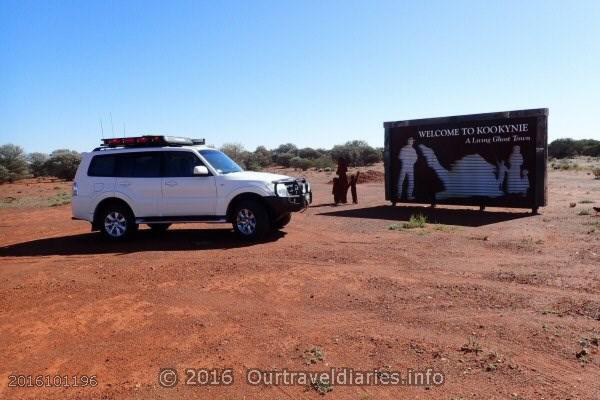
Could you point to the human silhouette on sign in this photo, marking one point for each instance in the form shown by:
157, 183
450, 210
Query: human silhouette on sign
518, 180
408, 158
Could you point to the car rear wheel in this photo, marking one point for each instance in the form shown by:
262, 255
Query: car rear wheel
117, 223
250, 220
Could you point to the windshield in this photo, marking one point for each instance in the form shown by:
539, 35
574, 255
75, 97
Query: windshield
220, 162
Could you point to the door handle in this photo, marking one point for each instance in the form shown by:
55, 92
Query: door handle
171, 183
124, 183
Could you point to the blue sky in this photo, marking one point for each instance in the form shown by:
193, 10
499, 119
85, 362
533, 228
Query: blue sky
315, 73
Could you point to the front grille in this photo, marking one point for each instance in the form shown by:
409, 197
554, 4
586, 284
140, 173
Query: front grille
294, 188
297, 190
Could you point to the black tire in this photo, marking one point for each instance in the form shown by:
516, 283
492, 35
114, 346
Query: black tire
159, 228
117, 223
250, 220
282, 221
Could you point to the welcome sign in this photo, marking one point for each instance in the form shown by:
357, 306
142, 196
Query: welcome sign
494, 159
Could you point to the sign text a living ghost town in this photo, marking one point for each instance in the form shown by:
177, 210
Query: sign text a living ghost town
495, 159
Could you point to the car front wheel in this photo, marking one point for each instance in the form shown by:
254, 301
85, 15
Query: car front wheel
251, 220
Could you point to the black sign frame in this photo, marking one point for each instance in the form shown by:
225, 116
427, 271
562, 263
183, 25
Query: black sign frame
454, 160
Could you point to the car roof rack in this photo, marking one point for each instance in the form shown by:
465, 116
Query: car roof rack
149, 141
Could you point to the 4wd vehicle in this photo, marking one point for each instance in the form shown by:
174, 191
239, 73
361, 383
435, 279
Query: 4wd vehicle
161, 180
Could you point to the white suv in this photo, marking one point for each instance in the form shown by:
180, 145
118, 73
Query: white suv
161, 180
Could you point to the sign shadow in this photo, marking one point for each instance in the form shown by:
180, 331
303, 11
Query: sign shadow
446, 216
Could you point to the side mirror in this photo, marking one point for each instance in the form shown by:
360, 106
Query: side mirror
201, 170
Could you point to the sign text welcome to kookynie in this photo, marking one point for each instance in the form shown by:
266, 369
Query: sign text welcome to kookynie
495, 159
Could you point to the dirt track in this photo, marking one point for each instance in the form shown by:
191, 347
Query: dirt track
525, 289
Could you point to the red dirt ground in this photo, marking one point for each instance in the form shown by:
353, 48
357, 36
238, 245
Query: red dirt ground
524, 289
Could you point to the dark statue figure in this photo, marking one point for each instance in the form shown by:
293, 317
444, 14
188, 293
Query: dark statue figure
353, 182
341, 184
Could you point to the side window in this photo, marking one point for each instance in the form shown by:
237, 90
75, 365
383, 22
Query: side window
180, 163
139, 165
102, 165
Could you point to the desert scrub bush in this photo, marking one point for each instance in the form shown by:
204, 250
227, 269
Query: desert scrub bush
301, 163
596, 172
324, 162
565, 165
321, 386
59, 199
62, 164
55, 200
567, 147
444, 228
357, 153
313, 355
472, 346
13, 163
415, 221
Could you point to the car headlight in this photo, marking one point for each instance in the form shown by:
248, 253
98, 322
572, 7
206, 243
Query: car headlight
279, 189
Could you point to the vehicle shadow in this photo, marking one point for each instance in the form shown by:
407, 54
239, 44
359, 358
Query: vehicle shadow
145, 240
446, 216
322, 205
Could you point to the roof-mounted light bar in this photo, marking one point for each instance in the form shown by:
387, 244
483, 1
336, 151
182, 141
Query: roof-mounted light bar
151, 140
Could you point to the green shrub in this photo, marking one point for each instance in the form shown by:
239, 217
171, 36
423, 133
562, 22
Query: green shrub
37, 164
416, 221
302, 163
262, 156
286, 148
284, 159
4, 174
63, 164
357, 153
324, 162
235, 151
13, 163
309, 153
563, 148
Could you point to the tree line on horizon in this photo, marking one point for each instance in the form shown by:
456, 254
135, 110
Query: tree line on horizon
16, 164
356, 152
566, 148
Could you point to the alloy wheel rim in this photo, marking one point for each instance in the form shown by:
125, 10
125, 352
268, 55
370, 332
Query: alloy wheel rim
115, 224
246, 221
